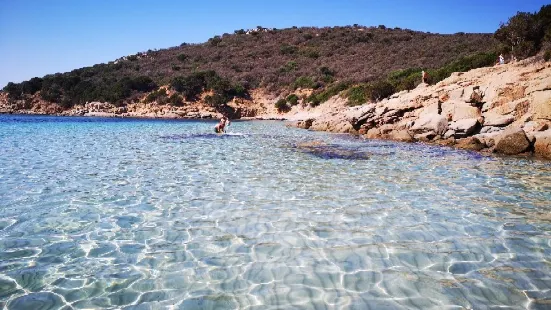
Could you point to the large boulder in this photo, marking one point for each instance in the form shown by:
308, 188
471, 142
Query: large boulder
541, 104
534, 126
400, 135
542, 146
430, 122
488, 139
497, 120
512, 141
373, 133
470, 143
457, 110
464, 127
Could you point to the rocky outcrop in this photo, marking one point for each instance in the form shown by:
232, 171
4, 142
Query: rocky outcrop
504, 109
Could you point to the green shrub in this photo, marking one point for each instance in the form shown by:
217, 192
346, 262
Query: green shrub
52, 94
327, 71
31, 86
292, 99
216, 100
547, 55
289, 66
157, 96
142, 84
406, 79
310, 52
525, 32
214, 41
14, 90
190, 86
316, 98
182, 57
287, 49
380, 90
357, 95
176, 100
281, 105
304, 82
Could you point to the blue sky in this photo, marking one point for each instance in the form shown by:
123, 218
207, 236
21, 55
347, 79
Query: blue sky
39, 37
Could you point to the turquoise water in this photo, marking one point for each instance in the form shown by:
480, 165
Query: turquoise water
148, 214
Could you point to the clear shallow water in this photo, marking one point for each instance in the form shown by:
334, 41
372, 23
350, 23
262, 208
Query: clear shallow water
145, 214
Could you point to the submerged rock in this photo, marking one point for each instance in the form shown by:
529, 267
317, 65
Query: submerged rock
330, 151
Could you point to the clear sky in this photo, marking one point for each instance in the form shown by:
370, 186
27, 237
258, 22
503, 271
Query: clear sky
39, 37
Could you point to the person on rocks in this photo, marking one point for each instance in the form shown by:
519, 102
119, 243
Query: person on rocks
501, 59
424, 77
221, 126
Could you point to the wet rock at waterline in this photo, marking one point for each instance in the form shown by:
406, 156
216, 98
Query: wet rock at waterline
512, 141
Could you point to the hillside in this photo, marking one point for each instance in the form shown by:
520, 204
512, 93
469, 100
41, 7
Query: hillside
232, 65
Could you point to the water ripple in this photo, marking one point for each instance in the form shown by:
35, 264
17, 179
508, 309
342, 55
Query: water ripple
148, 214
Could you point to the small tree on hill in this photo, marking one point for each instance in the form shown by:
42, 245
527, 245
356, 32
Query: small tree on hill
281, 105
525, 32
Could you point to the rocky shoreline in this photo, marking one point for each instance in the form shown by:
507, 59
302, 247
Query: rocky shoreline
504, 109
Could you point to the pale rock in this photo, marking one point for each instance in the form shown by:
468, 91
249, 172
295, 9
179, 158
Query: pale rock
490, 129
464, 127
456, 94
432, 108
430, 122
401, 135
509, 107
512, 141
464, 111
398, 94
450, 133
386, 128
425, 137
494, 119
539, 85
533, 126
373, 133
531, 136
488, 139
542, 145
470, 143
541, 105
380, 111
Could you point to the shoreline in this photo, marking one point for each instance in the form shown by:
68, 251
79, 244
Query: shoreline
503, 109
293, 123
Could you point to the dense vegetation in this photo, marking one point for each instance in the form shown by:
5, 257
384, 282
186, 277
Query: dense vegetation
526, 33
326, 59
359, 62
408, 79
362, 63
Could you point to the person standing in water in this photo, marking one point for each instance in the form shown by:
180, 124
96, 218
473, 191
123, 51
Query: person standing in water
221, 126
